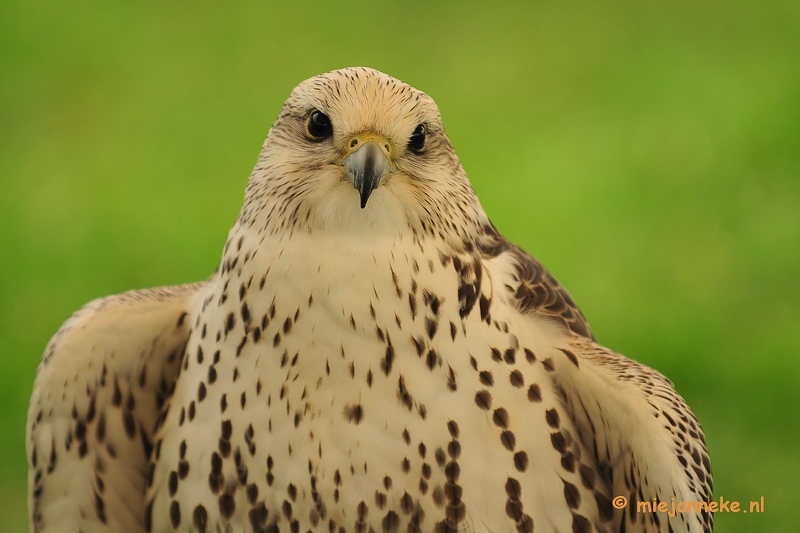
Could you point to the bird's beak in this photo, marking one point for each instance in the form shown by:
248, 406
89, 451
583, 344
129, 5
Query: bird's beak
367, 163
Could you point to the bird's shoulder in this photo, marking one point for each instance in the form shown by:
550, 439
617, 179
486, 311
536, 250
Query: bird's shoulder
528, 284
122, 317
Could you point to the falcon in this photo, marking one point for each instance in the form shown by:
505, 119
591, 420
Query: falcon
371, 355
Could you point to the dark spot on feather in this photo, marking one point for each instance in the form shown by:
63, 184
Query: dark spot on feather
484, 304
521, 461
454, 449
174, 514
559, 442
500, 417
568, 462
513, 488
258, 516
432, 359
380, 499
241, 345
419, 345
452, 471
571, 356
390, 522
483, 399
572, 495
388, 360
514, 509
227, 505
553, 420
534, 393
452, 427
353, 413
200, 519
430, 327
508, 440
441, 458
172, 484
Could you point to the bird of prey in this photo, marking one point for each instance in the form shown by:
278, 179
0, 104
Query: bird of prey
371, 355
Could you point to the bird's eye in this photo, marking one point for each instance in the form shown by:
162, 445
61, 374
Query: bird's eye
417, 140
319, 126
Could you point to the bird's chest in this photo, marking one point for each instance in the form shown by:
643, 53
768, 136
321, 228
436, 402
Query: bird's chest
353, 393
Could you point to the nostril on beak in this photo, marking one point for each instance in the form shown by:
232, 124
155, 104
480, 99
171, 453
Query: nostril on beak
353, 143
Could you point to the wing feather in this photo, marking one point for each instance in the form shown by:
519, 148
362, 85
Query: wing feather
634, 429
644, 440
98, 396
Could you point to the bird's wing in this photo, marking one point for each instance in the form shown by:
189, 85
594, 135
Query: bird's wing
641, 436
96, 403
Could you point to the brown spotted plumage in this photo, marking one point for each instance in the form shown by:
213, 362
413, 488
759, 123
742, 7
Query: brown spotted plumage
370, 356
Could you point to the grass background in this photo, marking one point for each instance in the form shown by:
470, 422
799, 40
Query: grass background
647, 152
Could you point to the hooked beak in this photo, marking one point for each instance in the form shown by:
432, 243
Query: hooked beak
368, 164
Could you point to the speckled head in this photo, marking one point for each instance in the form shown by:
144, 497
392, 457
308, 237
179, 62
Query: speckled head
357, 150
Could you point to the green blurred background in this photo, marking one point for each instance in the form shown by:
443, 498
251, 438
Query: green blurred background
647, 152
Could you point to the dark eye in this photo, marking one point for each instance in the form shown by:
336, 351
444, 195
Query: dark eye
319, 126
417, 140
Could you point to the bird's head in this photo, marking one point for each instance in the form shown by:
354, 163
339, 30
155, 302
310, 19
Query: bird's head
356, 150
